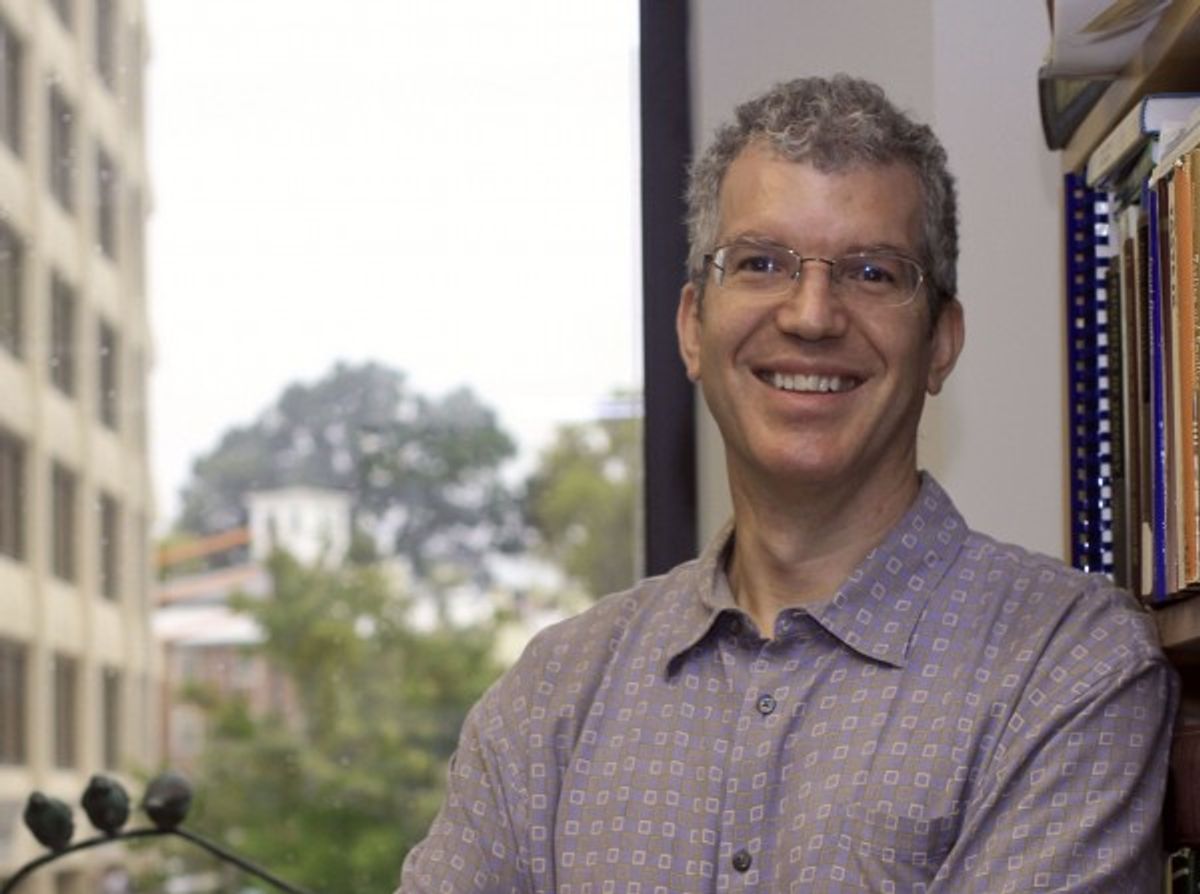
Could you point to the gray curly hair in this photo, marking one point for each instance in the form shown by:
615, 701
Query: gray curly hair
833, 124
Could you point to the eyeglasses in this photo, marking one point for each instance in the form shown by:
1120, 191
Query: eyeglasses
871, 278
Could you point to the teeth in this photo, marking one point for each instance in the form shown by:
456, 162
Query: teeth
820, 384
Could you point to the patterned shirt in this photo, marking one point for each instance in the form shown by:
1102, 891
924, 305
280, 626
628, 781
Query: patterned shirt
961, 716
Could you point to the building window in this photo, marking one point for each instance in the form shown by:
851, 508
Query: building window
65, 10
12, 497
66, 711
110, 697
62, 522
13, 716
11, 60
106, 202
62, 334
62, 151
106, 42
12, 316
108, 375
110, 546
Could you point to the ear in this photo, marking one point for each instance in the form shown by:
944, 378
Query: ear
946, 343
687, 328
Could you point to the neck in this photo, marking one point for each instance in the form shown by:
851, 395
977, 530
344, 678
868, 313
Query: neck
797, 548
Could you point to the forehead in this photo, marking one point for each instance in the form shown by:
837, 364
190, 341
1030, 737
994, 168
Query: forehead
794, 202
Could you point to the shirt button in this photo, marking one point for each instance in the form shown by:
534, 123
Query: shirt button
766, 704
742, 860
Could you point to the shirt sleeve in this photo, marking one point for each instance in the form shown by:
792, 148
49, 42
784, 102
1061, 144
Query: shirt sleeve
1072, 798
475, 843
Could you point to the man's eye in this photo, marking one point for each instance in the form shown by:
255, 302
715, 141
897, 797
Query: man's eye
758, 264
871, 271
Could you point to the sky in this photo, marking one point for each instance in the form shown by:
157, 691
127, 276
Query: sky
447, 188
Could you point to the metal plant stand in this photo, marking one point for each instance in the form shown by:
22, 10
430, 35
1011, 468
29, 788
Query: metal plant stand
106, 803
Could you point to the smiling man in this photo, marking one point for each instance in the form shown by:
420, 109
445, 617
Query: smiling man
850, 690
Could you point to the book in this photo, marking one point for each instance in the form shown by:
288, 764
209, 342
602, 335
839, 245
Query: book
1140, 125
1186, 139
1064, 103
1183, 294
1159, 581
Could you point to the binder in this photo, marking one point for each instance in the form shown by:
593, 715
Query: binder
1090, 435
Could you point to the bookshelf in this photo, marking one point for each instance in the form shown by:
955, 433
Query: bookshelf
1169, 60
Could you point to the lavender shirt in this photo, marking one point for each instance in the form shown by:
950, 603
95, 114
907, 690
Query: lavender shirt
961, 716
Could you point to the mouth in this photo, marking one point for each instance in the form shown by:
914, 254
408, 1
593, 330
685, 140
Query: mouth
809, 384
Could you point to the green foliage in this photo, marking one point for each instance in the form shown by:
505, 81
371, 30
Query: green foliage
427, 468
333, 798
583, 501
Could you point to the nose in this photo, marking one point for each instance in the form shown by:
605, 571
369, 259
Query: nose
811, 309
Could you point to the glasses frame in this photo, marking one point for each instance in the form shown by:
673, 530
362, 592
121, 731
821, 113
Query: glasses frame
710, 260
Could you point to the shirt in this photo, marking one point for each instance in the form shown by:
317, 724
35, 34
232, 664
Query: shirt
961, 716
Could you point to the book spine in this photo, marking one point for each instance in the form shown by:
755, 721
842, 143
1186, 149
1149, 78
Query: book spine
1158, 400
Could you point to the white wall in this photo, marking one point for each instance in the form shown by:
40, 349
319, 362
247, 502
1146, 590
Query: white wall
994, 438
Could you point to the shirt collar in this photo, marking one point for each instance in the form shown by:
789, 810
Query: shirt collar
876, 609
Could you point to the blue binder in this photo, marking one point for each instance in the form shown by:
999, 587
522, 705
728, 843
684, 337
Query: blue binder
1090, 439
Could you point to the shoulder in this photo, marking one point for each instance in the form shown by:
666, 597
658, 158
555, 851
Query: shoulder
561, 669
1081, 628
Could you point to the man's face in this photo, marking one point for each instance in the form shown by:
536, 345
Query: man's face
882, 360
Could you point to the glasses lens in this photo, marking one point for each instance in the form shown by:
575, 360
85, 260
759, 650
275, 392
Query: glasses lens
757, 268
882, 278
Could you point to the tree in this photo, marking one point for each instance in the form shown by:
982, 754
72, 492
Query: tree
582, 499
424, 471
334, 802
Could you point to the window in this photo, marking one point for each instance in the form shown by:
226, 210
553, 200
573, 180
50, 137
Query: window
62, 522
110, 546
66, 709
11, 56
106, 202
61, 163
108, 375
106, 42
12, 316
12, 497
13, 703
65, 10
62, 335
110, 734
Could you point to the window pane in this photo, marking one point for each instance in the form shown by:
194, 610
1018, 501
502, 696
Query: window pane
108, 381
106, 202
398, 379
66, 711
110, 718
12, 497
13, 702
62, 335
109, 546
12, 314
11, 60
61, 160
62, 520
106, 51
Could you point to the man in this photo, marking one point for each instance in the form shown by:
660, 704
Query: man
849, 690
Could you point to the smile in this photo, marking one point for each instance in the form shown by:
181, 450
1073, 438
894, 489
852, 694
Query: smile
809, 384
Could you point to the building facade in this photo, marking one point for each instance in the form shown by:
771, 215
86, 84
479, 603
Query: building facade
78, 672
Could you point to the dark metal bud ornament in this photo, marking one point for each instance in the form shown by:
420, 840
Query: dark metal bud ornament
49, 819
106, 803
167, 800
